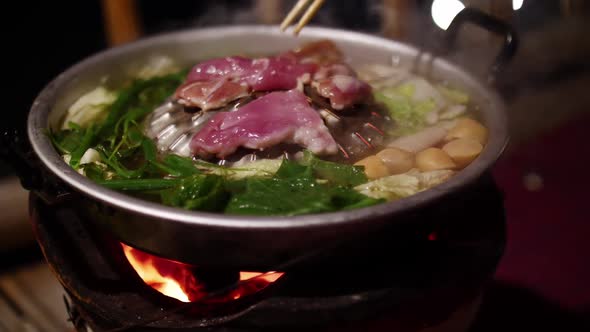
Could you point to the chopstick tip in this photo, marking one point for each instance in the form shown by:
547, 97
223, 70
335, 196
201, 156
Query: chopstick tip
296, 11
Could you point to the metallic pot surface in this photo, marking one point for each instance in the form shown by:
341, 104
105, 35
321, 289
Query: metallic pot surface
246, 241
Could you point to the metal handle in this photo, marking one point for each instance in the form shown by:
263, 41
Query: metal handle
16, 150
489, 23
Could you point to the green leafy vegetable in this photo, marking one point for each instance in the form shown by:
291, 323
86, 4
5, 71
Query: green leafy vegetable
150, 152
407, 90
136, 101
292, 191
66, 141
96, 171
117, 166
198, 192
401, 111
408, 115
258, 168
403, 185
118, 137
291, 170
342, 174
139, 184
406, 108
179, 166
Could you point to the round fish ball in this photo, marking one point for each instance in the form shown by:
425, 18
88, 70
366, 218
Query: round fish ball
397, 160
374, 167
468, 128
463, 150
434, 159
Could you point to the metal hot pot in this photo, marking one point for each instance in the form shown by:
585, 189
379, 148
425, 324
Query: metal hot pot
276, 243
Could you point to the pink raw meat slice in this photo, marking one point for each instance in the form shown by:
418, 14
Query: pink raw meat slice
272, 119
278, 73
343, 90
333, 69
213, 83
263, 74
208, 95
227, 67
322, 52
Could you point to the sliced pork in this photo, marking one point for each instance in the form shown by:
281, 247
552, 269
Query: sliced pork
279, 73
343, 91
322, 52
278, 117
211, 94
262, 74
218, 81
333, 69
214, 83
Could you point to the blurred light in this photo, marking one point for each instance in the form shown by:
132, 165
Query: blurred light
533, 181
517, 4
444, 11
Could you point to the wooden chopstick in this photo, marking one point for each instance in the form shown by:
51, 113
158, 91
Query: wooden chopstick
309, 14
297, 10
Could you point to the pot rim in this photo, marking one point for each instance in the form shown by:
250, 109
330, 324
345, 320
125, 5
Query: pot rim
42, 146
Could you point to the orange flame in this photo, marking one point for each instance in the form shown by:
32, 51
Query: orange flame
177, 280
146, 268
271, 276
